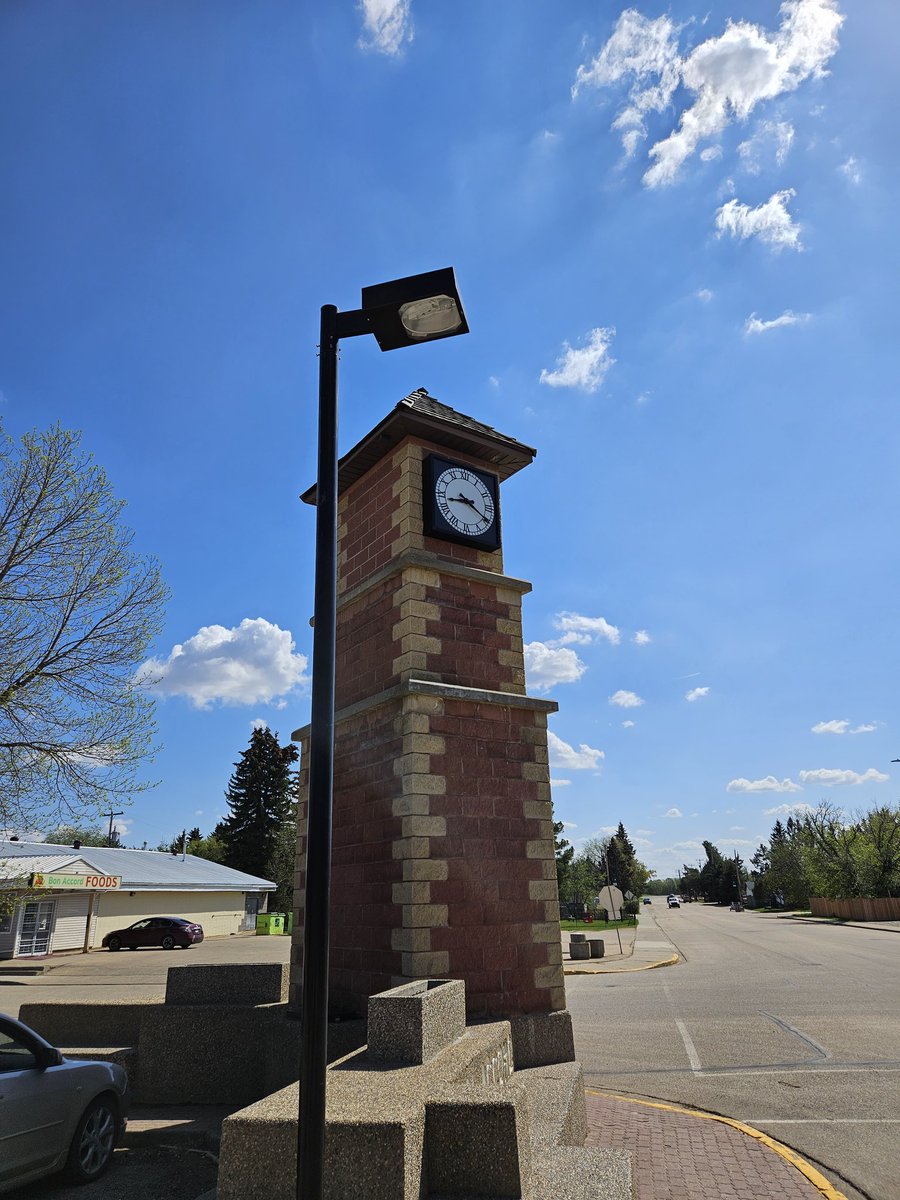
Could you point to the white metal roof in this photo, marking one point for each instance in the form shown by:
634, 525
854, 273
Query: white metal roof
141, 870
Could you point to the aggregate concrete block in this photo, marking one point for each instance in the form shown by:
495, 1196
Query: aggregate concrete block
478, 1144
542, 1038
411, 1023
582, 1173
100, 1023
597, 946
238, 983
579, 950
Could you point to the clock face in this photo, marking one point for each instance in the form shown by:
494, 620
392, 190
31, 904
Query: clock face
461, 503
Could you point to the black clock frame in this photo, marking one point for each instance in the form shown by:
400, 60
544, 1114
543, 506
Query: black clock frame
435, 524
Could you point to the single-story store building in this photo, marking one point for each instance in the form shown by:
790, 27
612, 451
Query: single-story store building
70, 897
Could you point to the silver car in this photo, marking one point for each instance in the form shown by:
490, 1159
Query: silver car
55, 1113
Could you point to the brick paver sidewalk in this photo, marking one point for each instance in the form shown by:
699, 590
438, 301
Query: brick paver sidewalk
679, 1156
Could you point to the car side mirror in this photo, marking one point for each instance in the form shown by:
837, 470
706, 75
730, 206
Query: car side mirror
48, 1056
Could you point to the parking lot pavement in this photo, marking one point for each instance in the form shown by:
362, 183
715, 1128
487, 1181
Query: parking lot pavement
126, 974
146, 1173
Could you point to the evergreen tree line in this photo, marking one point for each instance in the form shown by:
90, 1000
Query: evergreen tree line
600, 862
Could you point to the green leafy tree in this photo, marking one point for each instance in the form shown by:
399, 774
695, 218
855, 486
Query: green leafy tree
88, 835
78, 610
261, 794
565, 852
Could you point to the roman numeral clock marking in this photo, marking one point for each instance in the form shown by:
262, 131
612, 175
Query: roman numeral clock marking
460, 503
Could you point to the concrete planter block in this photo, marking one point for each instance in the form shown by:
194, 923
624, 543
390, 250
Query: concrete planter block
411, 1023
597, 947
576, 937
239, 983
579, 950
479, 1145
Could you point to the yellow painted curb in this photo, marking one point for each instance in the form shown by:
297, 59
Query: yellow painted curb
666, 962
816, 1178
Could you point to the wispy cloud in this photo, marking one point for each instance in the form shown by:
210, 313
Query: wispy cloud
755, 325
628, 724
772, 139
642, 638
251, 663
387, 24
674, 812
696, 693
727, 76
769, 784
567, 758
770, 222
789, 810
851, 170
546, 666
623, 699
841, 727
583, 367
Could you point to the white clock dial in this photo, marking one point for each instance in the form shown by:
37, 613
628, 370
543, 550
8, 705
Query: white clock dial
464, 501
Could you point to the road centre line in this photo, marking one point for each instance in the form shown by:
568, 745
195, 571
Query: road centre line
690, 1049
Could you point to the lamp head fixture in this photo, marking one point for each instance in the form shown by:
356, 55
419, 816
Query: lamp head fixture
418, 308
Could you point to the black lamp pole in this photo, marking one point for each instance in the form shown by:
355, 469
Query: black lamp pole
403, 312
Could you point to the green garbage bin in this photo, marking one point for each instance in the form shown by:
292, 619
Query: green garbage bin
277, 922
264, 922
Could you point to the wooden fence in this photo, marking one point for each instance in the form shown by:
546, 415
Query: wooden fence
859, 908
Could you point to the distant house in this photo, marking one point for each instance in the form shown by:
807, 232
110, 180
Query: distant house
81, 893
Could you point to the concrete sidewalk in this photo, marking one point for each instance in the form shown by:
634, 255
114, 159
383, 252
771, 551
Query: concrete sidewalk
642, 949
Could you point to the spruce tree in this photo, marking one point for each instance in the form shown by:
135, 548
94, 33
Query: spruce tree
261, 796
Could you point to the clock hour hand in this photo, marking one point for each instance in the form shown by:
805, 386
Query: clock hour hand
466, 500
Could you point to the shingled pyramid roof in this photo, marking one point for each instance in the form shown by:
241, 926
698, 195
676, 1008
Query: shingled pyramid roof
424, 416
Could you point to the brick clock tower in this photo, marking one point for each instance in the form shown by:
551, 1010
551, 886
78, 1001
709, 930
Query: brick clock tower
443, 859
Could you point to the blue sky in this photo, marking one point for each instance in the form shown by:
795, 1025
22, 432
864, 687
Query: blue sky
673, 226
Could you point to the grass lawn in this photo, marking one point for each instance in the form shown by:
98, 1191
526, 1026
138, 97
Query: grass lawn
578, 926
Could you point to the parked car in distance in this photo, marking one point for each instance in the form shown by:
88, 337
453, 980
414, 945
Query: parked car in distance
56, 1113
647, 900
673, 902
167, 932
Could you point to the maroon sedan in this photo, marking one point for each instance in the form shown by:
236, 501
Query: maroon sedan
167, 932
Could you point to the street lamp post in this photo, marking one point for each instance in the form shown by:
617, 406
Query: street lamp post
403, 312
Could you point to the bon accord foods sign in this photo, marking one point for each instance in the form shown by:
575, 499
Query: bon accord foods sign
94, 883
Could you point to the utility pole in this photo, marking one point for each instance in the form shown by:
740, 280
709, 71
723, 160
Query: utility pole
111, 815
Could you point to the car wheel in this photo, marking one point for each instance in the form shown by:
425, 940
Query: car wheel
114, 944
168, 942
93, 1143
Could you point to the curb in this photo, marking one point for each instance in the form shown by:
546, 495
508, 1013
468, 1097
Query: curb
665, 962
816, 1178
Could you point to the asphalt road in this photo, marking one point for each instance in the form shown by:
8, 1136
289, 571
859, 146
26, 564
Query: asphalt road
791, 1027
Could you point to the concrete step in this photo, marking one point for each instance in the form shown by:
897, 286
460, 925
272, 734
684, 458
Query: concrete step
193, 1126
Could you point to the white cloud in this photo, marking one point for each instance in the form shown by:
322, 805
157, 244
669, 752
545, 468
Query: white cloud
688, 845
642, 638
729, 75
833, 777
628, 724
646, 832
705, 295
558, 783
696, 694
755, 325
831, 727
866, 728
770, 222
258, 723
711, 153
547, 666
625, 699
493, 381
789, 810
584, 630
198, 812
583, 368
769, 784
250, 664
567, 758
674, 812
387, 24
851, 170
773, 138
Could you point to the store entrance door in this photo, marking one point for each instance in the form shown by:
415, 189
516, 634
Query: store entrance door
37, 925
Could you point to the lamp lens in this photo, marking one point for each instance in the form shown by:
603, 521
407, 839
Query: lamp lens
430, 317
